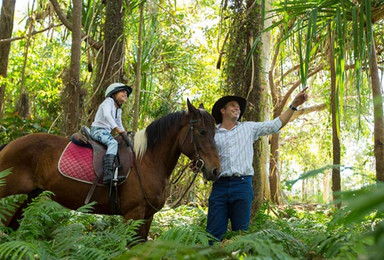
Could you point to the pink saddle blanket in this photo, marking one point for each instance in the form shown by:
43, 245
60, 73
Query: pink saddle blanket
76, 162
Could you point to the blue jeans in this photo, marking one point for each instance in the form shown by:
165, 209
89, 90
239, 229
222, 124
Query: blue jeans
105, 137
231, 198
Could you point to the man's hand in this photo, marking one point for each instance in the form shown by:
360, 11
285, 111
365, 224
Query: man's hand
297, 101
193, 167
300, 98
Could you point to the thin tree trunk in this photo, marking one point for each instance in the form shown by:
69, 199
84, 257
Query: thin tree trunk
255, 93
326, 187
136, 85
378, 114
110, 64
336, 182
265, 111
6, 27
274, 170
73, 93
22, 106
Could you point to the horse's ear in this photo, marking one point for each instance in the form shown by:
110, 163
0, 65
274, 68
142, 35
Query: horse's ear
201, 106
191, 108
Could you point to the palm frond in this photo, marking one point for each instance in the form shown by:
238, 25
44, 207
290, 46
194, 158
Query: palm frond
310, 174
363, 202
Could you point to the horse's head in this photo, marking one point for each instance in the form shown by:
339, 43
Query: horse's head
198, 142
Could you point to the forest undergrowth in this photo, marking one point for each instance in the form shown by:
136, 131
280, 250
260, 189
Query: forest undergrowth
305, 231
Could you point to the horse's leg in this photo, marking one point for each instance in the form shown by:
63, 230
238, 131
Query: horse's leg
14, 220
137, 213
144, 229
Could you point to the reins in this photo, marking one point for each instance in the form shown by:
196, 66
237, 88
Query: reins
126, 139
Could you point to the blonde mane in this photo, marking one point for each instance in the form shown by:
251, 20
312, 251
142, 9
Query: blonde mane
140, 144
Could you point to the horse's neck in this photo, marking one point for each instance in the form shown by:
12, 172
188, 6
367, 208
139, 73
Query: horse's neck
166, 155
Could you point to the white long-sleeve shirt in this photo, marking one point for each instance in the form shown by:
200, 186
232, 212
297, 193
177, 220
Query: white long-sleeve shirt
108, 116
235, 146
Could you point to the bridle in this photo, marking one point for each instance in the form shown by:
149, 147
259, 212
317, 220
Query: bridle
199, 163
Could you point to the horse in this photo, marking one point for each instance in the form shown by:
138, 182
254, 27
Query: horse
33, 160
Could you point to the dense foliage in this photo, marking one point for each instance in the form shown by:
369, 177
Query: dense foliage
181, 47
49, 231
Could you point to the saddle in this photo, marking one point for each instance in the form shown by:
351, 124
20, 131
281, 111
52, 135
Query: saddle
125, 160
125, 155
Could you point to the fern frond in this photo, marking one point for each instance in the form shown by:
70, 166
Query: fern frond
18, 250
87, 208
329, 246
112, 240
188, 235
293, 246
41, 217
86, 253
256, 245
161, 249
10, 204
4, 174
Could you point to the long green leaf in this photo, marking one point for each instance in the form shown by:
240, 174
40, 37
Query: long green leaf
368, 20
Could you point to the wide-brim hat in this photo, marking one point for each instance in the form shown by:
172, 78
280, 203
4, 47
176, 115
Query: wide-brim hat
222, 102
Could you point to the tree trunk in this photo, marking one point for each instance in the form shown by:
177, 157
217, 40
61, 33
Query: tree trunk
110, 64
136, 84
73, 94
325, 187
274, 170
265, 111
255, 93
243, 74
336, 183
378, 113
6, 27
22, 106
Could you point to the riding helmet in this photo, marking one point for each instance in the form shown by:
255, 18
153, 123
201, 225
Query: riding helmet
116, 87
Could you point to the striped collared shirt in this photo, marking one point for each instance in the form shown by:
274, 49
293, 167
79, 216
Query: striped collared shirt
235, 146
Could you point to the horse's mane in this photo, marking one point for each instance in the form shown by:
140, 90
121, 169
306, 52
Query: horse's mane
2, 146
158, 130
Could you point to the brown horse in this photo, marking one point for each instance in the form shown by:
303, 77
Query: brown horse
34, 158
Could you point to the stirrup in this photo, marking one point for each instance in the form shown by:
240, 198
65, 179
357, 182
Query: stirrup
119, 179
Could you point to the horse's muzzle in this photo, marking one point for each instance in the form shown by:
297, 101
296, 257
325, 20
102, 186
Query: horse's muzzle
211, 175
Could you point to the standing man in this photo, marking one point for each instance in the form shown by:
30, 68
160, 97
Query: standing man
232, 194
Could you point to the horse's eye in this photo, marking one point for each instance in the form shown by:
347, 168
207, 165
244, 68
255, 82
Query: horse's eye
202, 132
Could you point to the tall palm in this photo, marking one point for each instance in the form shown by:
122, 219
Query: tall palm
359, 16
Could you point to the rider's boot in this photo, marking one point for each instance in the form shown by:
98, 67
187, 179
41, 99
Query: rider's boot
108, 166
